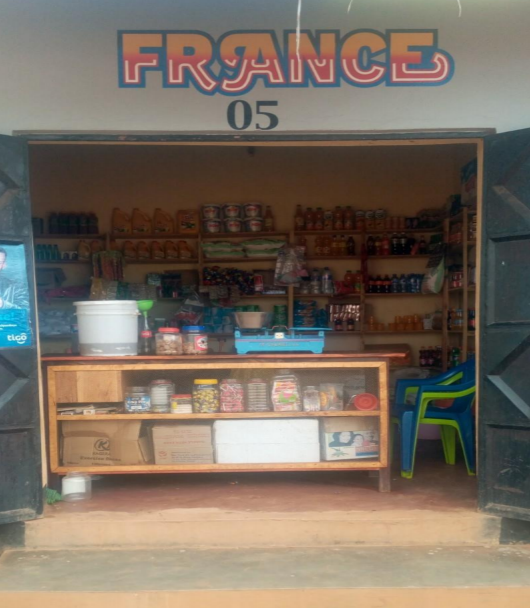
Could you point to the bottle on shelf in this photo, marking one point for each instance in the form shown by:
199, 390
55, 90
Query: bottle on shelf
377, 245
471, 319
349, 279
394, 287
319, 219
350, 246
358, 282
327, 244
395, 244
299, 220
370, 245
315, 284
402, 284
53, 224
343, 247
302, 242
328, 219
385, 245
422, 248
268, 220
378, 284
319, 247
403, 243
338, 219
430, 356
349, 218
335, 246
146, 343
387, 283
327, 281
423, 358
309, 219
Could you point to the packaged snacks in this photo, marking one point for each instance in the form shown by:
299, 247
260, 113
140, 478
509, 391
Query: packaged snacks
83, 251
121, 222
205, 396
331, 397
163, 222
232, 396
141, 222
285, 393
188, 221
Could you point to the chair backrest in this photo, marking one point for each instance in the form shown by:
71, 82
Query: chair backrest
467, 369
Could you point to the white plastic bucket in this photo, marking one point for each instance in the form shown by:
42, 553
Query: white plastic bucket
107, 328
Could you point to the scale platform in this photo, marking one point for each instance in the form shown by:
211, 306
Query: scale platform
293, 340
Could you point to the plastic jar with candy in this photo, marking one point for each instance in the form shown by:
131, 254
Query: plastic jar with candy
168, 341
195, 340
285, 393
232, 396
205, 396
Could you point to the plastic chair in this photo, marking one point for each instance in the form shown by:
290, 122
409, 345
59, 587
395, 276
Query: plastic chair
457, 385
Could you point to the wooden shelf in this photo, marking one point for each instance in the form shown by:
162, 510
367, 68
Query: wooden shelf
119, 236
331, 258
419, 256
239, 260
324, 232
206, 236
164, 262
305, 296
405, 331
69, 237
61, 262
401, 295
405, 230
218, 416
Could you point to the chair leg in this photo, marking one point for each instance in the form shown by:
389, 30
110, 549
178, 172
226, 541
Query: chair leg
409, 431
467, 440
448, 434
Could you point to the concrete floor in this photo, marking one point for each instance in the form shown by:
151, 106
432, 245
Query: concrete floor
436, 486
168, 570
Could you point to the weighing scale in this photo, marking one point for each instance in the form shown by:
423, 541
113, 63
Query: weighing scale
280, 340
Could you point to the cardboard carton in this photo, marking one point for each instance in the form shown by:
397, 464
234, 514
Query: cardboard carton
349, 438
105, 443
178, 443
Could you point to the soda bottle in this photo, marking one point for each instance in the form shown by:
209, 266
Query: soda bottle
370, 245
343, 246
387, 284
328, 219
319, 219
402, 284
335, 247
422, 246
430, 356
349, 218
385, 245
378, 284
377, 245
395, 244
358, 281
146, 343
403, 243
350, 246
349, 279
394, 288
371, 284
319, 248
299, 221
338, 219
309, 219
268, 220
327, 245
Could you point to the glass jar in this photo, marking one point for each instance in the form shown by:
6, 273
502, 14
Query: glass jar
205, 396
232, 396
76, 486
195, 340
257, 395
181, 404
311, 399
168, 341
285, 392
137, 399
161, 391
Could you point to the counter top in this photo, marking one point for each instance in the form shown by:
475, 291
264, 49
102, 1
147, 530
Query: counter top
225, 356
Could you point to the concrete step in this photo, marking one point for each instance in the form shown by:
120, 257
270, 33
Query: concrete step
216, 528
399, 577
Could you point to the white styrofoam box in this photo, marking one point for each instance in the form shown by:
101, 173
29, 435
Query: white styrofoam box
289, 430
266, 441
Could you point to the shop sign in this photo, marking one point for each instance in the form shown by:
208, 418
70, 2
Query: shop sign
237, 60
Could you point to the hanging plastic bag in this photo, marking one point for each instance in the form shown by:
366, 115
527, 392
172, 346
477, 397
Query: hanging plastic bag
433, 279
290, 266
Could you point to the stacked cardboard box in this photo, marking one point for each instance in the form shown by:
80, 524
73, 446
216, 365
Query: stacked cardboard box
179, 443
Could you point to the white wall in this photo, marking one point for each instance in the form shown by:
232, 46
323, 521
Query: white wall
58, 67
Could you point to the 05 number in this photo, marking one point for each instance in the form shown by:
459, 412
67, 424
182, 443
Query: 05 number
239, 115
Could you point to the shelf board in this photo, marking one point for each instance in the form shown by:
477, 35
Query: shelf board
419, 256
61, 262
206, 236
220, 416
306, 296
368, 231
69, 237
164, 262
56, 337
331, 258
239, 260
258, 296
456, 289
405, 331
119, 236
324, 232
460, 331
401, 295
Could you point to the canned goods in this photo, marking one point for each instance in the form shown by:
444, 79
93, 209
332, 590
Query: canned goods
137, 399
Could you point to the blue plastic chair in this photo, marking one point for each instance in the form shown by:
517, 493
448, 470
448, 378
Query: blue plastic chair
457, 384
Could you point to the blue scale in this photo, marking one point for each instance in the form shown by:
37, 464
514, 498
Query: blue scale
295, 339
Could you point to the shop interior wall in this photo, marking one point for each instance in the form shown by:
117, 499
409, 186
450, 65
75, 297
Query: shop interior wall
400, 179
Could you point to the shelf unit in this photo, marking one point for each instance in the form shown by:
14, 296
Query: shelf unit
465, 294
103, 381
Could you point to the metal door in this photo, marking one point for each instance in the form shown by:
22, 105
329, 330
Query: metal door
504, 407
21, 492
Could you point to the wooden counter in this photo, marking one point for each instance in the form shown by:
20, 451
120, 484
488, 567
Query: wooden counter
78, 380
